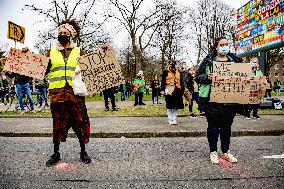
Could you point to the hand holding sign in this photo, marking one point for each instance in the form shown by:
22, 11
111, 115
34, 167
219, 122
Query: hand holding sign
28, 64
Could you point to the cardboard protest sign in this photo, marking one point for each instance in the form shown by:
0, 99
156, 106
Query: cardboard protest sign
100, 70
257, 90
229, 83
28, 64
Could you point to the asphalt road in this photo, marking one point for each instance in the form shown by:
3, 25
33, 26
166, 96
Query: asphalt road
141, 163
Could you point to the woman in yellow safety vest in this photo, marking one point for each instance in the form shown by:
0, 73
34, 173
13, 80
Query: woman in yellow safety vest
68, 110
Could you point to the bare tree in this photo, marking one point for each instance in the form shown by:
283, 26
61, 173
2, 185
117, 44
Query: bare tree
170, 33
211, 19
92, 33
140, 27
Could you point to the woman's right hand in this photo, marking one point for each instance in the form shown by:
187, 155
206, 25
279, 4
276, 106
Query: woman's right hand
210, 76
163, 93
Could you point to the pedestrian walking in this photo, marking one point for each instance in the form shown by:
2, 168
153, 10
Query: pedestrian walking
67, 109
219, 116
172, 87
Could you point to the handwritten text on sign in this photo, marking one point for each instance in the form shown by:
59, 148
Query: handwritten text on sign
229, 83
257, 90
100, 70
28, 64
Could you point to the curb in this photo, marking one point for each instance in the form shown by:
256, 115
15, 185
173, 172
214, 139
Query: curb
150, 134
110, 116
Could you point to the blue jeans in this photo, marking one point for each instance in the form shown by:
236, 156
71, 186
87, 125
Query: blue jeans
26, 89
42, 92
123, 94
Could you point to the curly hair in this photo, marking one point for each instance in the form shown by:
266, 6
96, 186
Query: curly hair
73, 23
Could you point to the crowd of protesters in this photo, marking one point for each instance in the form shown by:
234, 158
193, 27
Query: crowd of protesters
69, 109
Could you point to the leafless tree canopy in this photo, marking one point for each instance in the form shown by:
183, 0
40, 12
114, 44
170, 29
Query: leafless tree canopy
158, 30
92, 31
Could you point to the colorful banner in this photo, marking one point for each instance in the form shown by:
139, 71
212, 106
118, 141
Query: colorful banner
260, 25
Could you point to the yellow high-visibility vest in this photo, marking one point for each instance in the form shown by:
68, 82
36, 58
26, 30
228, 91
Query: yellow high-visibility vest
60, 73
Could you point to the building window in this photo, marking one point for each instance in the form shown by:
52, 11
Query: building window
276, 74
276, 66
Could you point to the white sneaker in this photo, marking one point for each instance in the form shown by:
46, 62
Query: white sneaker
174, 122
229, 157
170, 121
214, 158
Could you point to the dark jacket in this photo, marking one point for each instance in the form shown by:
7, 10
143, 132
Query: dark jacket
19, 79
202, 78
189, 82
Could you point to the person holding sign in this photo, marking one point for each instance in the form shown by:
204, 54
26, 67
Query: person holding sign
172, 87
68, 110
219, 116
256, 73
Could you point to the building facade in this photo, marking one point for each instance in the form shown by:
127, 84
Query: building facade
277, 72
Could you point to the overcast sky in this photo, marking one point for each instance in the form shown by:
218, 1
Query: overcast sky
11, 10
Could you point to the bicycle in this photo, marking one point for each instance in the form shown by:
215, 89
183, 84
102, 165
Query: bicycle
12, 97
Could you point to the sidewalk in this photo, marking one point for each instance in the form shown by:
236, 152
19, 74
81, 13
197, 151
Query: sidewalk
143, 127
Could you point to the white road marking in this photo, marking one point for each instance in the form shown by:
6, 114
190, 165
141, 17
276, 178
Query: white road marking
274, 156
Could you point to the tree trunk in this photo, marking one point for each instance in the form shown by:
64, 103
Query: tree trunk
135, 52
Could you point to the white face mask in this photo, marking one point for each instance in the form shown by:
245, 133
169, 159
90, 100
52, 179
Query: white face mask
224, 50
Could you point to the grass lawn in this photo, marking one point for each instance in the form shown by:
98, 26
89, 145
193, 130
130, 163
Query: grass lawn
97, 97
150, 110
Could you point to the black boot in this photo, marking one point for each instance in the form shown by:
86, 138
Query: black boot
85, 157
53, 160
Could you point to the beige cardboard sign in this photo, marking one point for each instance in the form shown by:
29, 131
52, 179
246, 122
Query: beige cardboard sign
100, 70
28, 64
230, 82
257, 90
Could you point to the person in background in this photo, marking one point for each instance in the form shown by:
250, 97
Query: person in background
147, 89
277, 85
139, 87
41, 86
192, 86
23, 85
172, 87
256, 73
219, 116
268, 88
128, 89
109, 94
123, 90
155, 85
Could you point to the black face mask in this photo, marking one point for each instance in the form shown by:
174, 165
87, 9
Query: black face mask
173, 67
63, 39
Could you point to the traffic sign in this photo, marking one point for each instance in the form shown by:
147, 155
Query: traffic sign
16, 32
